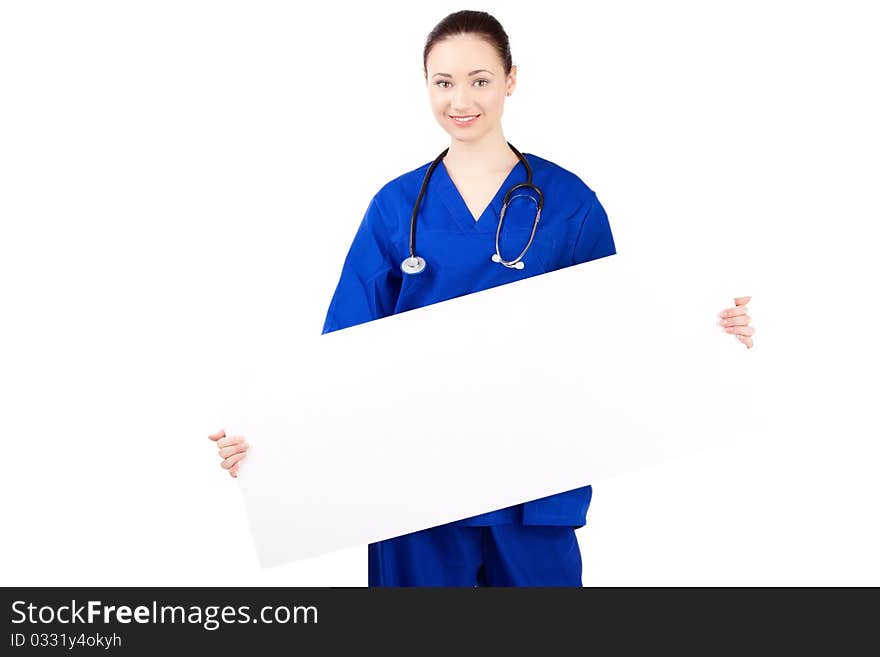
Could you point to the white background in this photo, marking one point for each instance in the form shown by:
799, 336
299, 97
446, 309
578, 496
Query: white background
180, 181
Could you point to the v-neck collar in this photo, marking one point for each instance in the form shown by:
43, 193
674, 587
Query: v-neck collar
459, 210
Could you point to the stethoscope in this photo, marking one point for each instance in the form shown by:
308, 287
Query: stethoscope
415, 265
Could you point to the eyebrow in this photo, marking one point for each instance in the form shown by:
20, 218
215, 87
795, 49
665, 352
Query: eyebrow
474, 72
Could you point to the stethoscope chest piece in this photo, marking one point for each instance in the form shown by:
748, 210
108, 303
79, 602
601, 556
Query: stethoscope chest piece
413, 265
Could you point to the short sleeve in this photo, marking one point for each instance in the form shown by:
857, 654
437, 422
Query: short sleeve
370, 282
594, 239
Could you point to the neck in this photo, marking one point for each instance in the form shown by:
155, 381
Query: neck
489, 153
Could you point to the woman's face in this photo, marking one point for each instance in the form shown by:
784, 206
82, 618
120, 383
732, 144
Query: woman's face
466, 78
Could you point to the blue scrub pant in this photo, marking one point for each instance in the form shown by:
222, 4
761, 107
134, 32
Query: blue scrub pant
499, 555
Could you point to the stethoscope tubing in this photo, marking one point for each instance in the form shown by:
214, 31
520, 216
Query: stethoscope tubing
414, 264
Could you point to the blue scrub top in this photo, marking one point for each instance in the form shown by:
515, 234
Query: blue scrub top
457, 249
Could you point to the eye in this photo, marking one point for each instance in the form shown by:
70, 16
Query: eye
442, 83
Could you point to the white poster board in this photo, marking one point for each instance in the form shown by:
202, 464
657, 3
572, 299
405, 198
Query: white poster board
477, 403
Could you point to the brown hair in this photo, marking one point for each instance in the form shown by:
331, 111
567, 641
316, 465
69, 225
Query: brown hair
471, 22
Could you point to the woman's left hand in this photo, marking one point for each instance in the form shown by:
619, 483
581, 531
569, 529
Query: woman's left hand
736, 321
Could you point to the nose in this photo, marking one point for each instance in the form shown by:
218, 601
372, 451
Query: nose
461, 99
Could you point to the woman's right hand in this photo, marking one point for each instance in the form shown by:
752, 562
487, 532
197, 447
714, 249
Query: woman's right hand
232, 450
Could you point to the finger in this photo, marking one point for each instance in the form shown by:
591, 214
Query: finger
229, 440
747, 341
234, 470
232, 460
733, 312
739, 320
218, 435
233, 449
740, 330
741, 301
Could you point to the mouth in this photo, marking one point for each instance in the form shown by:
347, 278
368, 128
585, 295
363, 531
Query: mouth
465, 119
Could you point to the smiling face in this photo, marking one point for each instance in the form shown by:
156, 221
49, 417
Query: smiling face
465, 78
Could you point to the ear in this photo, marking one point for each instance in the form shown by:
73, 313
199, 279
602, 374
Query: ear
511, 80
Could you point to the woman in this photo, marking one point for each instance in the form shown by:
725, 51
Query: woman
467, 66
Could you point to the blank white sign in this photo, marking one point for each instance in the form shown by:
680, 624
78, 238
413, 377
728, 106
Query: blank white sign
477, 403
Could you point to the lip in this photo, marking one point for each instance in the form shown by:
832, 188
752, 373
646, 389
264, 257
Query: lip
473, 119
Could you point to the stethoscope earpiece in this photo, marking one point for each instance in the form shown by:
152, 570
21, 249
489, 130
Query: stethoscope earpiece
519, 264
